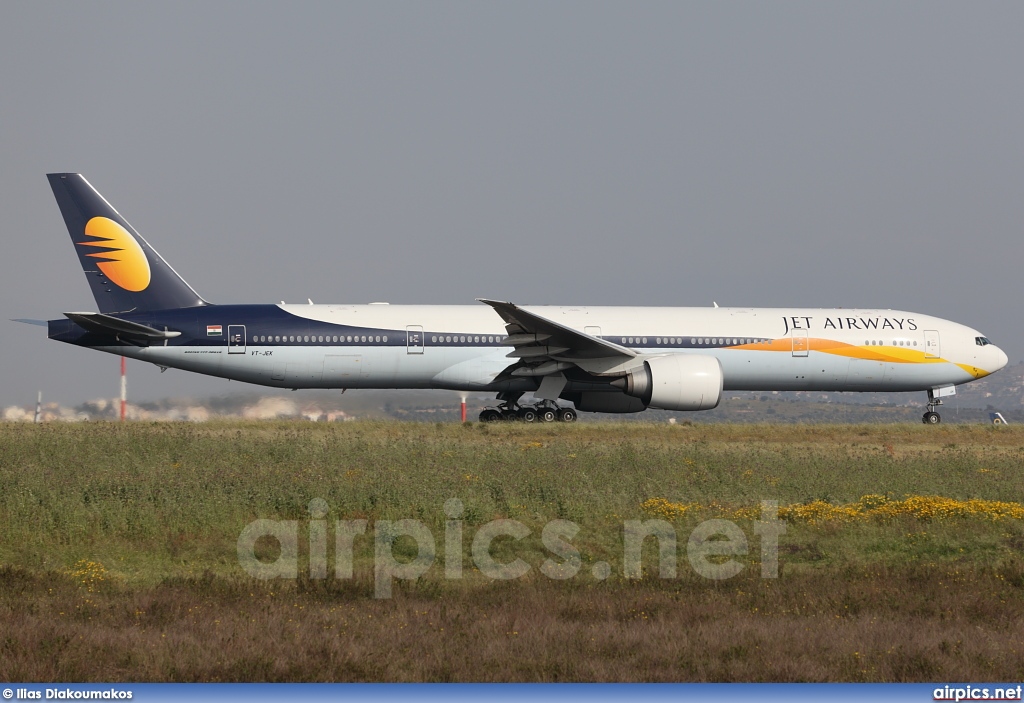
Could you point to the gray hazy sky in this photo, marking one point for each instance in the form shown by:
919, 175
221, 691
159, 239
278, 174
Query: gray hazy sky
806, 154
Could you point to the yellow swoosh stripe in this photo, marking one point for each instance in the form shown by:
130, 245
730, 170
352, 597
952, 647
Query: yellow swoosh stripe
895, 355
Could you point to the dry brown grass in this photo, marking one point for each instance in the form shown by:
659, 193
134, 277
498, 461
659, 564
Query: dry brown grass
909, 624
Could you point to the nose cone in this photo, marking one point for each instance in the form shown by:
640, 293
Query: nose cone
1001, 359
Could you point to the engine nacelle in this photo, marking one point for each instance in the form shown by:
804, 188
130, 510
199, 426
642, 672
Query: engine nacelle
676, 382
604, 402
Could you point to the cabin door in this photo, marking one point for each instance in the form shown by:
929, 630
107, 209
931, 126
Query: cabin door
800, 345
414, 339
236, 339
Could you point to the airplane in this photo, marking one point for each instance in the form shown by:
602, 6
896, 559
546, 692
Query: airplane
599, 359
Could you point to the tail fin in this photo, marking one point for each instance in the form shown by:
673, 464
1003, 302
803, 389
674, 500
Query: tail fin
124, 272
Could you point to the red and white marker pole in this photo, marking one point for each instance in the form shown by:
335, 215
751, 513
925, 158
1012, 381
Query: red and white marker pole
124, 390
463, 406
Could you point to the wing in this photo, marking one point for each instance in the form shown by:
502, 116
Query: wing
544, 347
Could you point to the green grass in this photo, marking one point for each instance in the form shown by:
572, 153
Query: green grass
156, 500
160, 508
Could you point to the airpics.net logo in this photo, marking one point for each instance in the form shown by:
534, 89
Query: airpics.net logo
977, 693
711, 548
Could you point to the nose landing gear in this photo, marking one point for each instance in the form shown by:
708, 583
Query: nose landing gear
931, 417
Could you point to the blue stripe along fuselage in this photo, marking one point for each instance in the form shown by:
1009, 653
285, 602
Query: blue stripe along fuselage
273, 322
259, 321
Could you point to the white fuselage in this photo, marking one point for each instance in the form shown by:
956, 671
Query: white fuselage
459, 347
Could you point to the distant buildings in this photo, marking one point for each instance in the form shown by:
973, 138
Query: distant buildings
266, 408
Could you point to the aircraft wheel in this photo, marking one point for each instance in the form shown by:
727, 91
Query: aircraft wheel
528, 415
489, 415
567, 415
547, 415
509, 415
931, 418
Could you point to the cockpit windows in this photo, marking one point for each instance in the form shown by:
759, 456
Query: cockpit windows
982, 341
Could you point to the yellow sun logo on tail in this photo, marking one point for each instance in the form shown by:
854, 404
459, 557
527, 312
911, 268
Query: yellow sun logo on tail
122, 260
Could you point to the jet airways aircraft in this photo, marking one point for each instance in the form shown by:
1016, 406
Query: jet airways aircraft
600, 359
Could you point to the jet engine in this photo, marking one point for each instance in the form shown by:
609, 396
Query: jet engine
675, 382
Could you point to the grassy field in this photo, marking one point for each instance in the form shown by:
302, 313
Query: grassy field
903, 557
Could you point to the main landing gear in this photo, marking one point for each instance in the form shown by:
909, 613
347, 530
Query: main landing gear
510, 410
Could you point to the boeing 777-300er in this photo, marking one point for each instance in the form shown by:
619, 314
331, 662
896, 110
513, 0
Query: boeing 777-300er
600, 359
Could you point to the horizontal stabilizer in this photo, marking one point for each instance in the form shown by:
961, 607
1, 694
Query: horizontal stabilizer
107, 324
39, 323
